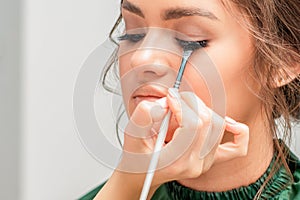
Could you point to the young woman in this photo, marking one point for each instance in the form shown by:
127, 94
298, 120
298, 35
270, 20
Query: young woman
254, 45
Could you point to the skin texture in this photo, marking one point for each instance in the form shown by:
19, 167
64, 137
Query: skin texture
230, 47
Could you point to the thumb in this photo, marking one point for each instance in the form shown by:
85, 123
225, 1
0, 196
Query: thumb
144, 116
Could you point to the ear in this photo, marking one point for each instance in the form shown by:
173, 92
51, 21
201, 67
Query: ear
287, 76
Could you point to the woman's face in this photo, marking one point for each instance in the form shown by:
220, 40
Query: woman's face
147, 72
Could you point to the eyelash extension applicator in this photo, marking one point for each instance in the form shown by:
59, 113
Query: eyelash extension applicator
189, 47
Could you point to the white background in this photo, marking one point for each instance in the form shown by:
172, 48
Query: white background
42, 46
58, 36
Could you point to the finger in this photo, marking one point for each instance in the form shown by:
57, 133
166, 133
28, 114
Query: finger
212, 120
144, 116
239, 146
214, 136
196, 104
188, 134
184, 135
185, 116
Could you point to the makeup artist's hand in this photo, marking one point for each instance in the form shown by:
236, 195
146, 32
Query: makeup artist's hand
180, 157
196, 122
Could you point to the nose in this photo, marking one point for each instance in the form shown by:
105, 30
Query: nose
150, 63
153, 58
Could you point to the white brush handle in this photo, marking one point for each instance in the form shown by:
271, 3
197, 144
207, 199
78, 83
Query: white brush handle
154, 160
165, 125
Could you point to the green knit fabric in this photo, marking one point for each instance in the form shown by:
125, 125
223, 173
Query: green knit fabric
279, 187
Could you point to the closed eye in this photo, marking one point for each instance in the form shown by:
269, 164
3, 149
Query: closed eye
185, 43
134, 38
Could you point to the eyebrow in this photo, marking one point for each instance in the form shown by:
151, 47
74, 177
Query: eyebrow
132, 8
172, 13
176, 13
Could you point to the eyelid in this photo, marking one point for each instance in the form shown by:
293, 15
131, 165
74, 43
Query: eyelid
134, 38
184, 43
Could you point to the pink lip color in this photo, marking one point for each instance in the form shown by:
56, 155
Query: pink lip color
138, 99
149, 93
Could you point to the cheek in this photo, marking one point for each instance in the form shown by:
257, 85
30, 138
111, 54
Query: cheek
197, 84
233, 58
233, 53
124, 73
124, 64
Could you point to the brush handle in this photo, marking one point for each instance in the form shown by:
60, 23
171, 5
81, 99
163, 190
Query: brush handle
184, 60
154, 160
163, 131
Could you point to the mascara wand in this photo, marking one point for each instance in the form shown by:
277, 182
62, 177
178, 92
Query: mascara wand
189, 47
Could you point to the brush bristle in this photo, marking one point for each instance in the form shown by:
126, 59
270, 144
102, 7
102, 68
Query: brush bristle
187, 53
191, 46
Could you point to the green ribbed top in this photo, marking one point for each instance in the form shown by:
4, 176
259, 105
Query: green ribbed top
279, 187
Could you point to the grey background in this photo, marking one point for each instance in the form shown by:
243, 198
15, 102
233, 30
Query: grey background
10, 92
42, 46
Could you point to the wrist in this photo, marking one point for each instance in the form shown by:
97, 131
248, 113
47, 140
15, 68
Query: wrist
122, 185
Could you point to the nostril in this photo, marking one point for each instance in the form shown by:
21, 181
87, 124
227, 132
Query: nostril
155, 70
150, 72
149, 75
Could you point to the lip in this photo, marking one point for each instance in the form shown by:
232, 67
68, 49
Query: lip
149, 93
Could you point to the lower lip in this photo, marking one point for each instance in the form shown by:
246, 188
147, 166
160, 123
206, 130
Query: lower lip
138, 99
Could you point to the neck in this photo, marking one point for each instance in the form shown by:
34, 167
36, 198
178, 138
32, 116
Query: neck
240, 171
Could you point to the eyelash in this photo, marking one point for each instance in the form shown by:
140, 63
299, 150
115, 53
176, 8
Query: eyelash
134, 38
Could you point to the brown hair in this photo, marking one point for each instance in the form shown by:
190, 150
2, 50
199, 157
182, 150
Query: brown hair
274, 25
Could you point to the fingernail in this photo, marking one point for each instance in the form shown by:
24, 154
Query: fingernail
173, 92
162, 102
230, 120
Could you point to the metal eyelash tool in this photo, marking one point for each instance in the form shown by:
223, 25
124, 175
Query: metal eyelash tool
188, 48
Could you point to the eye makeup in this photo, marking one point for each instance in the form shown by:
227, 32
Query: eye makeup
134, 38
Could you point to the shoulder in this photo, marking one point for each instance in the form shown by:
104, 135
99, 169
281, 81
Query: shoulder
293, 190
160, 194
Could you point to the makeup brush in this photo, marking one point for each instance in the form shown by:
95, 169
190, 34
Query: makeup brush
188, 48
